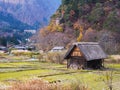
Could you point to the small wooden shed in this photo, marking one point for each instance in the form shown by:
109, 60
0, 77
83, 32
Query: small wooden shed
84, 55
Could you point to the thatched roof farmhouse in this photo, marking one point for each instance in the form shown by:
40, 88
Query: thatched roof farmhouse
85, 55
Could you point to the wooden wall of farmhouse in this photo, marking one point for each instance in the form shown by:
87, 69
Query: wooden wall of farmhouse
76, 62
76, 52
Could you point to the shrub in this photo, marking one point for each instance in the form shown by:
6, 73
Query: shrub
56, 57
42, 57
53, 57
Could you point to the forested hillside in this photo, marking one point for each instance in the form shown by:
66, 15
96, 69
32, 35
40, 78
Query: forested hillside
84, 20
35, 13
8, 23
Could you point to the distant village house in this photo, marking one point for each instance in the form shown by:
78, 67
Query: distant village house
19, 47
58, 48
3, 49
30, 31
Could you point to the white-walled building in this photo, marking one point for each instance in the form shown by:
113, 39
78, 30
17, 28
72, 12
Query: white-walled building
30, 31
57, 48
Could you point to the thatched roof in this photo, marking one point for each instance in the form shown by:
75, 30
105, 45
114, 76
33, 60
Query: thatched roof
90, 50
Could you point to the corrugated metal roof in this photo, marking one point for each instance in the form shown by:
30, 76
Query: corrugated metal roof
90, 50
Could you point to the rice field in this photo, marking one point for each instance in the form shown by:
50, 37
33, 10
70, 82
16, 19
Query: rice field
25, 70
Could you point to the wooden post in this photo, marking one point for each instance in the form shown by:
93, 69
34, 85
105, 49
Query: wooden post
103, 62
85, 64
67, 63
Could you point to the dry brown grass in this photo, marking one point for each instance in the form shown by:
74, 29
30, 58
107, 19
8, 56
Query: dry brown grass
21, 52
35, 84
39, 84
113, 59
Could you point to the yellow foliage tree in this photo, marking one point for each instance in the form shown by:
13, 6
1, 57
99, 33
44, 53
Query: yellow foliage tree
59, 28
53, 27
77, 26
81, 34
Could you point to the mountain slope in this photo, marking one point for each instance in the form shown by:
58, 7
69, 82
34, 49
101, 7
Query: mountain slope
9, 23
98, 19
33, 12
